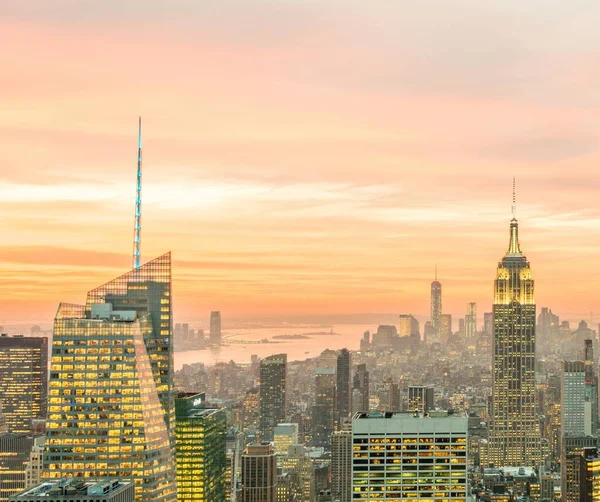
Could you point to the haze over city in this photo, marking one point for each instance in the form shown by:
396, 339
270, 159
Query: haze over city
299, 157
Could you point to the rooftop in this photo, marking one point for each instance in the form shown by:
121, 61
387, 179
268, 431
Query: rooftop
73, 487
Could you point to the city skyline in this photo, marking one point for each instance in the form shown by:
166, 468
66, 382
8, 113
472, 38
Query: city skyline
357, 186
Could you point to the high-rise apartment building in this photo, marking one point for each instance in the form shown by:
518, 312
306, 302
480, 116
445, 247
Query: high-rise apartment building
341, 464
407, 456
23, 381
259, 473
273, 371
215, 328
361, 384
471, 321
514, 437
201, 450
343, 389
420, 398
111, 406
323, 416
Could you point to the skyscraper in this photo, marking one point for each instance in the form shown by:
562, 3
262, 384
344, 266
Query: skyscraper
471, 321
215, 328
323, 416
23, 381
259, 473
273, 371
407, 325
201, 451
341, 464
445, 328
111, 407
436, 302
514, 429
361, 384
342, 407
406, 456
420, 398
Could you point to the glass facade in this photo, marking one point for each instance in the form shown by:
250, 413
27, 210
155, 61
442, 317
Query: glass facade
23, 381
110, 405
201, 451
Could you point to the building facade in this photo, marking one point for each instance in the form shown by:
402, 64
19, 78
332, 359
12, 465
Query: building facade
514, 437
259, 473
200, 436
343, 390
341, 464
323, 411
273, 375
23, 381
215, 328
361, 385
111, 406
420, 398
471, 322
14, 454
408, 456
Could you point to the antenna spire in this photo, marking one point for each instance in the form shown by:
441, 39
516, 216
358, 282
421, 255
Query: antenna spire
137, 228
514, 200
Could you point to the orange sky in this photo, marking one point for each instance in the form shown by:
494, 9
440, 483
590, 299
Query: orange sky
300, 157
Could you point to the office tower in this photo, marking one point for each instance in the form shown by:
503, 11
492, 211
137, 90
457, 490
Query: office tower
436, 302
273, 370
420, 398
576, 411
406, 456
215, 328
285, 487
341, 464
323, 411
298, 463
589, 475
407, 325
259, 473
343, 390
361, 384
591, 384
75, 490
234, 444
14, 454
201, 450
23, 381
445, 327
33, 468
471, 321
570, 465
384, 337
251, 408
393, 403
514, 435
488, 324
111, 385
285, 435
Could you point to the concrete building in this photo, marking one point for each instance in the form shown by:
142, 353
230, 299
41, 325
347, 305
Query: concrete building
259, 473
78, 490
409, 456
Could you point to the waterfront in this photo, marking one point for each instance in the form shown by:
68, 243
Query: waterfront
348, 335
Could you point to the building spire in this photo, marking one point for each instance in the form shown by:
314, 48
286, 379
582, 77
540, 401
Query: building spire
513, 247
137, 228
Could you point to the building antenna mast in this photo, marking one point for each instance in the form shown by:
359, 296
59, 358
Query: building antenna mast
137, 228
514, 200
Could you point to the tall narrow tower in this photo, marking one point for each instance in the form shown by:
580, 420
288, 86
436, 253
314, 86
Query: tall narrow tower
514, 430
436, 304
137, 227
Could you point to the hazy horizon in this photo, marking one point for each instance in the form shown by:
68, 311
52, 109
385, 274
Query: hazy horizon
300, 157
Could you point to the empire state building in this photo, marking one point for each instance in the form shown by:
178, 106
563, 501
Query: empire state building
514, 437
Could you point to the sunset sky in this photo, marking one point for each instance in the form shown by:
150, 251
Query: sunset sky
300, 156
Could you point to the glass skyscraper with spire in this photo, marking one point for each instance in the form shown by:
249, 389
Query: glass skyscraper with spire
514, 429
111, 406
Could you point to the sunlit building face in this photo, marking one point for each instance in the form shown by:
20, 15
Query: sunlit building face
110, 411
